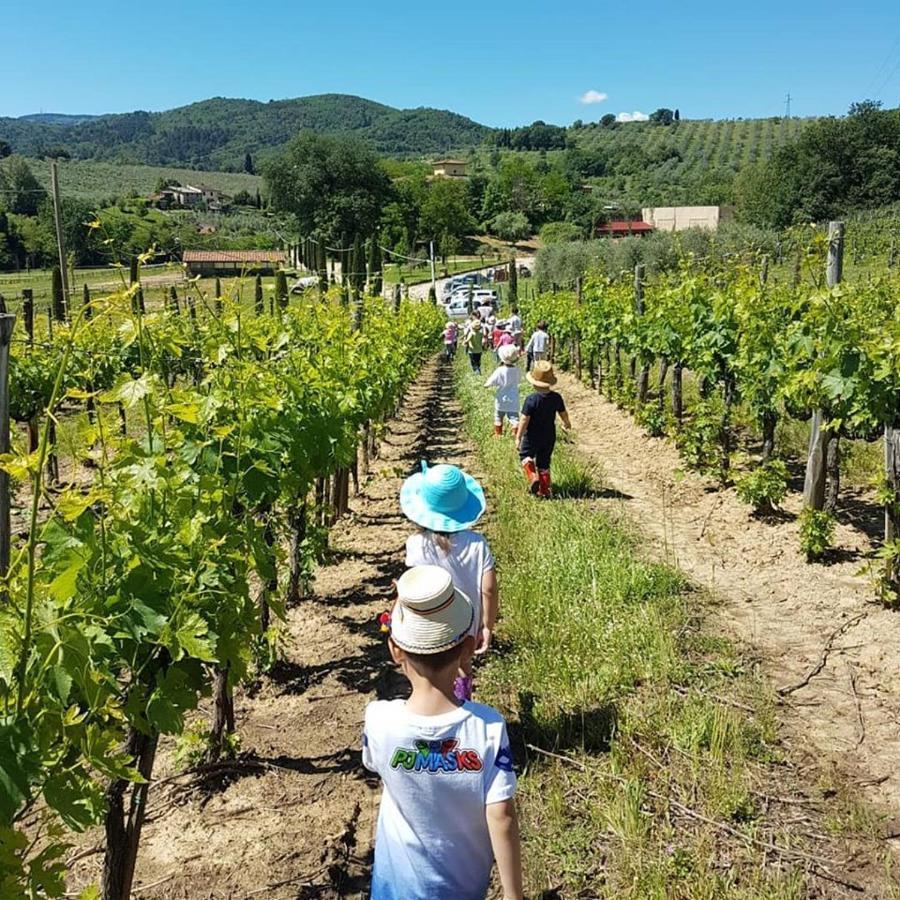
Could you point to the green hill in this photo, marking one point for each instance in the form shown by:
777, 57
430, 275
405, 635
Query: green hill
691, 161
94, 181
218, 133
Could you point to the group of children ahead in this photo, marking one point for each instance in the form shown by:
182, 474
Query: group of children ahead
448, 811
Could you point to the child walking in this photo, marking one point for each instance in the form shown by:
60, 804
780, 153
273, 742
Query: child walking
448, 808
538, 344
505, 379
450, 335
474, 341
445, 503
536, 436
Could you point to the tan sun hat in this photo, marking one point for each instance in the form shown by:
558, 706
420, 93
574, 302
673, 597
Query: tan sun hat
542, 376
430, 615
508, 353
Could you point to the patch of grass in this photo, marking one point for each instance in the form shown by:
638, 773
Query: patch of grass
649, 746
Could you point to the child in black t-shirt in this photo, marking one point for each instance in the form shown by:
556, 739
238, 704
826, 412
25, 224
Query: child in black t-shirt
537, 428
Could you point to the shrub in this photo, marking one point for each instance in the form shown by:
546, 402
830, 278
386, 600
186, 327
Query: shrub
764, 487
652, 418
816, 532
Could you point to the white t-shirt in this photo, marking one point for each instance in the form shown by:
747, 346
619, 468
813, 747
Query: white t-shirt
538, 342
506, 379
469, 558
514, 322
439, 773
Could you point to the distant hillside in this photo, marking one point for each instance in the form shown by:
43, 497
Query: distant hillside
56, 119
218, 133
688, 162
98, 181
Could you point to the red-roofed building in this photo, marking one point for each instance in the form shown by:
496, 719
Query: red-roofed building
636, 228
232, 262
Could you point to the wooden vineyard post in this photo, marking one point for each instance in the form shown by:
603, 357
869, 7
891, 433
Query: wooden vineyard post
258, 304
821, 457
577, 347
173, 301
677, 393
891, 255
397, 298
643, 380
7, 321
28, 313
297, 521
764, 271
892, 506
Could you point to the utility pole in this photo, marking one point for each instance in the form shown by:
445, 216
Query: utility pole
787, 106
60, 240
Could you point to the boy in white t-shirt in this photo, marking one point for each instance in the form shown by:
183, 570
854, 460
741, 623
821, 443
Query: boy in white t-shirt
447, 810
505, 379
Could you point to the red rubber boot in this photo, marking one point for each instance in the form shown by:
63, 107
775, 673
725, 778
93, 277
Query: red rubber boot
531, 475
544, 489
498, 429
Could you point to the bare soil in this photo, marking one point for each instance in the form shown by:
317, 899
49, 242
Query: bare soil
294, 817
832, 653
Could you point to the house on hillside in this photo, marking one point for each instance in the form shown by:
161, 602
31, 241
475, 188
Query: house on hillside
620, 229
233, 262
450, 168
678, 218
190, 197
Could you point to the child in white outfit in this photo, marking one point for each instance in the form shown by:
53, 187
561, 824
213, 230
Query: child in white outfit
505, 379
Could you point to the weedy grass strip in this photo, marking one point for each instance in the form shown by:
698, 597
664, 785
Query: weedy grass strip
655, 739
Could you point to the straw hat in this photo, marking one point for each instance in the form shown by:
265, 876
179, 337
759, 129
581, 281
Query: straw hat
430, 615
508, 354
542, 376
442, 498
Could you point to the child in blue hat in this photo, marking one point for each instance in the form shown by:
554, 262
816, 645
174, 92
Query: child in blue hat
445, 503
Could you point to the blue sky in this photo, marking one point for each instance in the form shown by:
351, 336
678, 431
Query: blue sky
500, 62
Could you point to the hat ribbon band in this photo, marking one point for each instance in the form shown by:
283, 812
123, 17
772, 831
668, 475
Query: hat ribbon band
436, 609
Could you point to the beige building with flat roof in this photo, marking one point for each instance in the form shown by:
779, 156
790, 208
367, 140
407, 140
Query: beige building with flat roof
450, 168
678, 218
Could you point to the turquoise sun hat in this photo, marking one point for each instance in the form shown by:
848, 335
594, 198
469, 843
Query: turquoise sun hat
442, 498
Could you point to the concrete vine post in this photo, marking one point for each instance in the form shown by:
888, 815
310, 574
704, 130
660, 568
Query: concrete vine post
823, 460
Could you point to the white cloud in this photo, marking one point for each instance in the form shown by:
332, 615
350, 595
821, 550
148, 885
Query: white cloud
635, 116
593, 97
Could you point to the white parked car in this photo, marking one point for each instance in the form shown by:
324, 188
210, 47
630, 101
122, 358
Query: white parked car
480, 297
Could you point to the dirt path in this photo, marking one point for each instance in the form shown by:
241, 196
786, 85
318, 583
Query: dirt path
299, 821
806, 621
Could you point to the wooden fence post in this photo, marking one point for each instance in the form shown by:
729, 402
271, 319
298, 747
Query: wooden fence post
7, 321
823, 459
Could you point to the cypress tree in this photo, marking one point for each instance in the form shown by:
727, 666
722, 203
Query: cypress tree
258, 304
258, 200
322, 265
281, 289
59, 302
248, 165
377, 284
358, 272
513, 282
